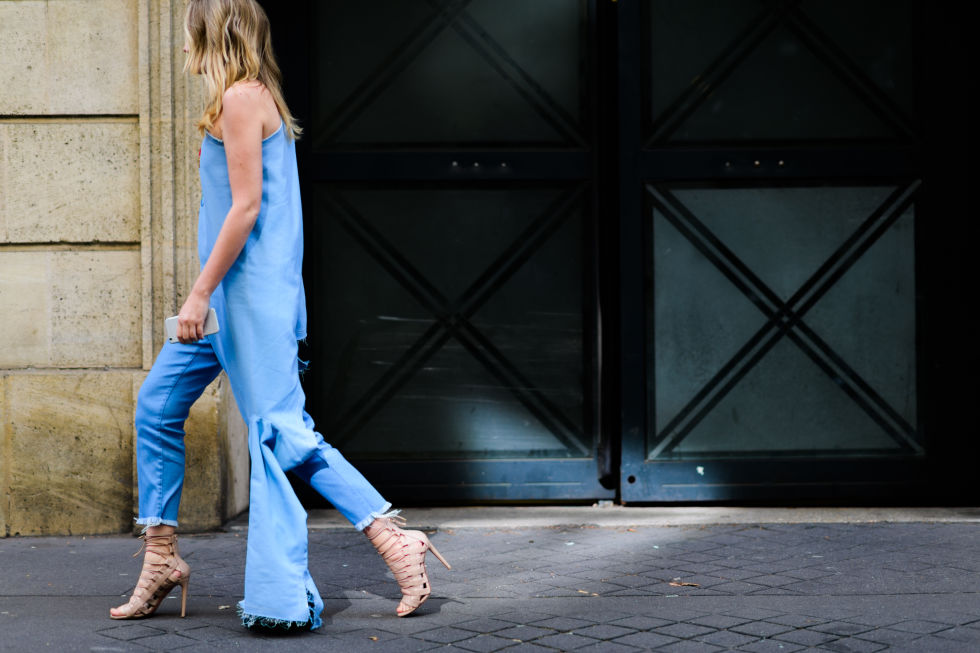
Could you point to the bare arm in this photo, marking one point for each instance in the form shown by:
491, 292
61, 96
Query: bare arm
241, 125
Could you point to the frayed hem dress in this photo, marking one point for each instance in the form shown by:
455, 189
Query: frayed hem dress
261, 308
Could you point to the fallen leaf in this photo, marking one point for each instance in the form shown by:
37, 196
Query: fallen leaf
373, 638
675, 583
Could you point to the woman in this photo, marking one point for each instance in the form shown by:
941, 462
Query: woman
250, 242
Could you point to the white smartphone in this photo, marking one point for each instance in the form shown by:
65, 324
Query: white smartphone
210, 325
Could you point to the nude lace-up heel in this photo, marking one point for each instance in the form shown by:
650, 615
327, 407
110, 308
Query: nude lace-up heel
404, 553
157, 578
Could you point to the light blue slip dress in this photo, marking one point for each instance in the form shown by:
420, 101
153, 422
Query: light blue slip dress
261, 308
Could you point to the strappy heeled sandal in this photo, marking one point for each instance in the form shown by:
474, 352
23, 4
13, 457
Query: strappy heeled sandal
157, 578
404, 553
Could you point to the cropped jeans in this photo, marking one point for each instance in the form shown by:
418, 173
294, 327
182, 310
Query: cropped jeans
178, 377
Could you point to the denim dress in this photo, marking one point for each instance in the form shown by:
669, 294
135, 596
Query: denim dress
261, 308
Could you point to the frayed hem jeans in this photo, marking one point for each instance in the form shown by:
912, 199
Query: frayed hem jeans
178, 377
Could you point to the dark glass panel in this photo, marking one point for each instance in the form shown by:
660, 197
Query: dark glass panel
786, 405
699, 321
737, 71
879, 36
783, 234
453, 321
841, 380
488, 73
869, 317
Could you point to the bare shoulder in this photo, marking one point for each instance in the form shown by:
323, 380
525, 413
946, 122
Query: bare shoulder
250, 100
244, 96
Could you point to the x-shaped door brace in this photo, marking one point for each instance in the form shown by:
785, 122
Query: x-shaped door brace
453, 319
784, 318
453, 15
778, 12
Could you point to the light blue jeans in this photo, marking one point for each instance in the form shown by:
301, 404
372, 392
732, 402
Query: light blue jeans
178, 377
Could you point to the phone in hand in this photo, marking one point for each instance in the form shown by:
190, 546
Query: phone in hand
210, 325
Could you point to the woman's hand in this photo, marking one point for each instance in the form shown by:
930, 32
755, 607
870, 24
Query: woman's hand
190, 319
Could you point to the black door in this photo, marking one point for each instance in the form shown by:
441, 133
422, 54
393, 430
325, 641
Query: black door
775, 203
450, 188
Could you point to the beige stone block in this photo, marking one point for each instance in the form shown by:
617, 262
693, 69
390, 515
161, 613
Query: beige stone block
70, 465
95, 309
70, 182
24, 304
92, 56
71, 308
22, 77
72, 57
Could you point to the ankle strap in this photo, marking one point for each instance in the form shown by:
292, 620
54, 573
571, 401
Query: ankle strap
158, 540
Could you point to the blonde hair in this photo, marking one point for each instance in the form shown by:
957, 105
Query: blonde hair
229, 41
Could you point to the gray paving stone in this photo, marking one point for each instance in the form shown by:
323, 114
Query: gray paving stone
564, 641
641, 622
806, 637
528, 648
761, 628
684, 630
645, 640
524, 633
841, 628
853, 645
167, 642
446, 635
774, 580
485, 625
929, 643
961, 634
889, 636
397, 645
485, 643
718, 621
771, 646
562, 624
130, 632
604, 631
606, 647
687, 646
796, 620
919, 626
728, 639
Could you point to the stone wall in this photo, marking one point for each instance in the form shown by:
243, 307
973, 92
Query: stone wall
98, 199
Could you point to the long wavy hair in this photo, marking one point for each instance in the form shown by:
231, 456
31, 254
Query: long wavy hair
229, 41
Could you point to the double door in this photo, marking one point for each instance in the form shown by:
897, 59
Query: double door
661, 250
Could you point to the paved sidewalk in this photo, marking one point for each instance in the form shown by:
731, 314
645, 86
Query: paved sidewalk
891, 581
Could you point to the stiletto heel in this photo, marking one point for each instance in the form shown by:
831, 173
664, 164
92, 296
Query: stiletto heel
404, 553
436, 553
183, 596
157, 578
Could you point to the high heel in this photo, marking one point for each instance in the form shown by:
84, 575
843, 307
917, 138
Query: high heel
404, 553
157, 578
